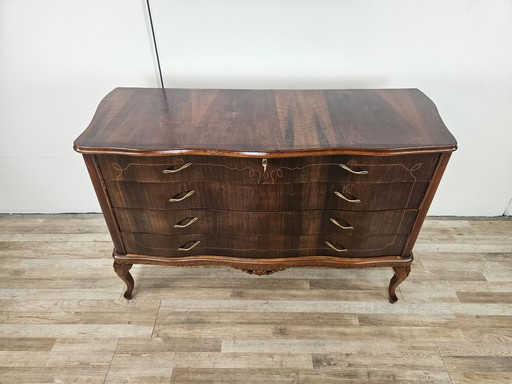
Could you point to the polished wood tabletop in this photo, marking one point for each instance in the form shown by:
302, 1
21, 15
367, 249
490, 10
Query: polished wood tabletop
269, 123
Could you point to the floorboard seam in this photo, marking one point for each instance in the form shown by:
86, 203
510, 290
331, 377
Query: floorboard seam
112, 359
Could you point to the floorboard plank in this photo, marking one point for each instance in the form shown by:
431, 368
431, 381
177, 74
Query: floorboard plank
63, 318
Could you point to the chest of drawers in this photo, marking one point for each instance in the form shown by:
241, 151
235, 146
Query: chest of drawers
264, 180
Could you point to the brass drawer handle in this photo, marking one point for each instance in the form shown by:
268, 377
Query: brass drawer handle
330, 245
189, 248
191, 220
340, 195
186, 165
188, 194
337, 223
346, 168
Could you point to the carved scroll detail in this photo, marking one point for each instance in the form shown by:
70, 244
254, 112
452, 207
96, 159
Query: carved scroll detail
258, 270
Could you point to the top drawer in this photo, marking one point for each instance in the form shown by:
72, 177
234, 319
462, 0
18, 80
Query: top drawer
347, 168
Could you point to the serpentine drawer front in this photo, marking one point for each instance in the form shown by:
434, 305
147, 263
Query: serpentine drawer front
263, 180
267, 197
267, 247
247, 223
353, 169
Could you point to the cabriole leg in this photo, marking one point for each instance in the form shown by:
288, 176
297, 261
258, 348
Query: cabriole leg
122, 271
400, 275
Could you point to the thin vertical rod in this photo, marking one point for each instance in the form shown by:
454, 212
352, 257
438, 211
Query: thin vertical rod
154, 43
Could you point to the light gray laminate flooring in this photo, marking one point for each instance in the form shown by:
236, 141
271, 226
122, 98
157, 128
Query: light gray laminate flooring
63, 318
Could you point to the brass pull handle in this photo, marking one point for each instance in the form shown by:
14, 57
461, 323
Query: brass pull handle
346, 168
189, 248
186, 165
191, 220
340, 195
176, 199
331, 245
337, 223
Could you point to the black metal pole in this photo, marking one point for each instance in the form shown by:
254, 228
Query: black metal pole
154, 43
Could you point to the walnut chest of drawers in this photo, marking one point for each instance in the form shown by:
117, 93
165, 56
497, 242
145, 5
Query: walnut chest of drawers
263, 180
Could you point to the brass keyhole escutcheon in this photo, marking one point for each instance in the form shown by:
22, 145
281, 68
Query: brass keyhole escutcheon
264, 163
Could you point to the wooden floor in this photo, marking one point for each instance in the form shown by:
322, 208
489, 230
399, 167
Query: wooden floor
63, 319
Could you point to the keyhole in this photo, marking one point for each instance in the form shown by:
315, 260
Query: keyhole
264, 163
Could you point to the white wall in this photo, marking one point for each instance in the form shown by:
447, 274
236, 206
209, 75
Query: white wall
59, 59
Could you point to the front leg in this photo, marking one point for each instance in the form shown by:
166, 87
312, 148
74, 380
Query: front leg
122, 271
400, 275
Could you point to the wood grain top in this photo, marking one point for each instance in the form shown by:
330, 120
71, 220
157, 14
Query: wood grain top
269, 123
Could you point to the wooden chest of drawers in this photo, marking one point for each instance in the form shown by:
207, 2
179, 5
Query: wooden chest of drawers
265, 180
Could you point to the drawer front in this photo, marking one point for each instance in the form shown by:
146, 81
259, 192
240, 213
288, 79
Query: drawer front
347, 168
267, 197
294, 223
263, 246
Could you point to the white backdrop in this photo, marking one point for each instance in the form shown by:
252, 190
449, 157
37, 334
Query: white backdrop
59, 58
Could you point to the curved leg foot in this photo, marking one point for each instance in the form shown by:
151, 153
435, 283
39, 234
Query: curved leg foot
122, 271
400, 275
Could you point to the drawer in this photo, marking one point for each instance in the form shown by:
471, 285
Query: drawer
294, 223
349, 168
267, 197
263, 246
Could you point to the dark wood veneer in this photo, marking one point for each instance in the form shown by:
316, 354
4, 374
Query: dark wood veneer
310, 169
267, 197
99, 188
268, 247
310, 222
272, 123
258, 175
